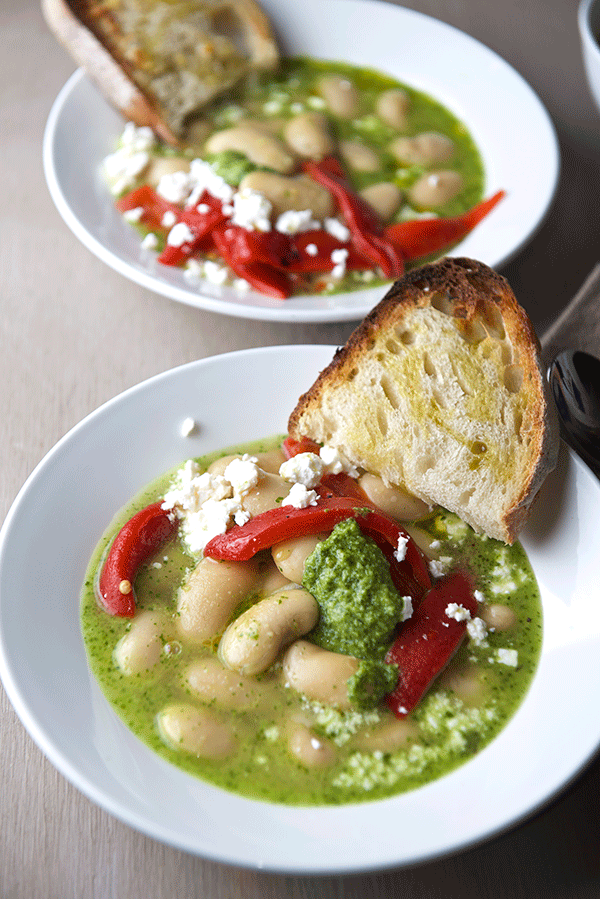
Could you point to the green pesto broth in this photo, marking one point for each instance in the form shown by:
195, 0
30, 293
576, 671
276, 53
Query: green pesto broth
274, 98
446, 729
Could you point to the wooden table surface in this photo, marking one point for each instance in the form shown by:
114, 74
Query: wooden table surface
75, 333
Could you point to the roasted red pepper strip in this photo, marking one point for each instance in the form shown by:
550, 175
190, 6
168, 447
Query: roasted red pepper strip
276, 525
201, 219
320, 260
271, 247
153, 204
137, 541
366, 228
292, 447
263, 277
422, 237
428, 640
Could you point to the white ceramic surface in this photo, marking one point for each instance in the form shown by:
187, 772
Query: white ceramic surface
588, 19
489, 96
50, 533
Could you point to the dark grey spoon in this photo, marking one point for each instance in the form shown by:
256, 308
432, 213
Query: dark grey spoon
574, 378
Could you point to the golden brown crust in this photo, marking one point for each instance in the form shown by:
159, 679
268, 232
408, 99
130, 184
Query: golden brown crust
472, 293
92, 33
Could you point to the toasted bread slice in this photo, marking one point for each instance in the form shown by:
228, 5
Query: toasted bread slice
160, 61
440, 390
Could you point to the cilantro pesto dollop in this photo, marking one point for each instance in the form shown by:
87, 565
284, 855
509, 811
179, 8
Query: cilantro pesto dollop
359, 606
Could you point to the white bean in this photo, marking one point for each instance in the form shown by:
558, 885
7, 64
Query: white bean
392, 106
389, 735
271, 460
165, 165
196, 731
498, 616
267, 494
287, 193
210, 595
340, 95
358, 156
384, 198
427, 544
319, 674
311, 750
435, 189
211, 682
140, 649
465, 682
309, 135
256, 144
291, 555
393, 500
253, 641
423, 149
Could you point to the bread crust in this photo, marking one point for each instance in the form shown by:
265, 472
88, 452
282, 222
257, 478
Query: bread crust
475, 296
90, 31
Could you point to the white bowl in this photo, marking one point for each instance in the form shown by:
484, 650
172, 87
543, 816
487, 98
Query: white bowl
589, 30
49, 536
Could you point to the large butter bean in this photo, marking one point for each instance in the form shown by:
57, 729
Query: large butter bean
392, 106
210, 595
394, 501
267, 494
271, 460
423, 149
140, 649
319, 674
196, 731
253, 641
311, 750
256, 144
498, 616
384, 198
286, 193
165, 165
291, 555
358, 156
212, 683
340, 95
435, 189
389, 735
308, 135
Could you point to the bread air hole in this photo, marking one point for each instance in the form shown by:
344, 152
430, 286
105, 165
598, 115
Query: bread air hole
471, 331
382, 422
513, 378
390, 392
428, 365
443, 303
493, 322
406, 336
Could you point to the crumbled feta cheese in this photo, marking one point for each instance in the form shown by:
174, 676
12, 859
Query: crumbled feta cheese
202, 177
508, 657
477, 631
179, 235
133, 215
479, 596
311, 249
337, 229
408, 608
188, 426
457, 611
438, 567
400, 551
300, 497
150, 241
215, 272
203, 208
251, 210
174, 187
122, 168
295, 221
242, 474
168, 219
339, 257
304, 468
241, 285
336, 462
316, 102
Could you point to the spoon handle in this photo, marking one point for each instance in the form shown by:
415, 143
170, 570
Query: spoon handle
578, 325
